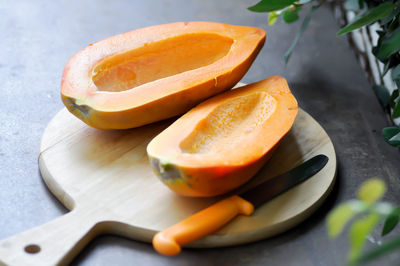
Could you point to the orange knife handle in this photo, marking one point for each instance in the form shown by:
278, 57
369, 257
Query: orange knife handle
207, 221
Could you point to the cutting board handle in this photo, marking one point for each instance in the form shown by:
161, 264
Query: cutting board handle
54, 243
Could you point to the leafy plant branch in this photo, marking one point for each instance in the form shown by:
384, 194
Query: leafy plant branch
387, 50
364, 214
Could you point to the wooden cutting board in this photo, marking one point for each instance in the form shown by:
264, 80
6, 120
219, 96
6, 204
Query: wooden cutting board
104, 178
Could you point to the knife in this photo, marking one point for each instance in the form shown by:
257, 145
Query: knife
169, 241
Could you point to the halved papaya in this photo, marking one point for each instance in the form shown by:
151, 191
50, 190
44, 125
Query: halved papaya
154, 73
221, 143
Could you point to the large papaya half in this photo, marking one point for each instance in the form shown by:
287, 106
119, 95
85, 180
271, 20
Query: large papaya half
154, 73
221, 143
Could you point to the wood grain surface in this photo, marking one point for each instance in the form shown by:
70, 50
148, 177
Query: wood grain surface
105, 179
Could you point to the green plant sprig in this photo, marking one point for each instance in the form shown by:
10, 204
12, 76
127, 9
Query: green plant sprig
364, 214
387, 50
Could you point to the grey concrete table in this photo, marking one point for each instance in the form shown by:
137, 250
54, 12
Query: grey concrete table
38, 37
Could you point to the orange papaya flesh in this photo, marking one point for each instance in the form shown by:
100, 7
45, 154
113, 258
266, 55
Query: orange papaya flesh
154, 73
221, 143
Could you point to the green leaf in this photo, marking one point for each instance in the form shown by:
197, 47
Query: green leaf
368, 17
383, 94
396, 72
291, 15
270, 5
391, 221
396, 109
272, 17
303, 27
392, 135
389, 132
379, 251
390, 45
371, 190
389, 18
394, 24
393, 97
375, 50
339, 217
358, 234
387, 66
396, 75
395, 140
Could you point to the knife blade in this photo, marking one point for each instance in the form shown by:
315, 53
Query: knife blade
169, 241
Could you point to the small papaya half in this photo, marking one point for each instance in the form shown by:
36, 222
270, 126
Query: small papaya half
158, 72
221, 143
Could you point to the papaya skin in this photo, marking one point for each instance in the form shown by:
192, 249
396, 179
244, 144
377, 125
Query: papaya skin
117, 84
205, 182
210, 150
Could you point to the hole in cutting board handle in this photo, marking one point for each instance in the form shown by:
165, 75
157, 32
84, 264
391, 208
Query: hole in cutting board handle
32, 249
